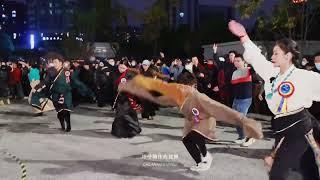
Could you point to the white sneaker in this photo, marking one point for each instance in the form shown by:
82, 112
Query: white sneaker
199, 167
8, 101
248, 142
207, 160
240, 141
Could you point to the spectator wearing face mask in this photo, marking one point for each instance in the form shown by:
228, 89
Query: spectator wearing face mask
134, 63
315, 108
305, 61
188, 66
111, 62
317, 62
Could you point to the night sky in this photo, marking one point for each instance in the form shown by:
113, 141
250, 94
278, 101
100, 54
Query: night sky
139, 5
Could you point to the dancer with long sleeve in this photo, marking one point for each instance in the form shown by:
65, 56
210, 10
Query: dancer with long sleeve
201, 113
289, 91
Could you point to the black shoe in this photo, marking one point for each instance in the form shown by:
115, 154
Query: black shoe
68, 129
63, 128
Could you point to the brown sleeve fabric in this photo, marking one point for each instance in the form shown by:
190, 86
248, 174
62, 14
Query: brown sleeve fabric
225, 114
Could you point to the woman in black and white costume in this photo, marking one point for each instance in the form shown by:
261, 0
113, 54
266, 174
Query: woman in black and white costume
289, 91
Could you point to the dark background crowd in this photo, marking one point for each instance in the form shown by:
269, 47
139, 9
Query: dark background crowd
213, 75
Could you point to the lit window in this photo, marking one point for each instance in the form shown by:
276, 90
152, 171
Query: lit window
50, 12
3, 15
41, 34
14, 13
44, 38
14, 35
50, 4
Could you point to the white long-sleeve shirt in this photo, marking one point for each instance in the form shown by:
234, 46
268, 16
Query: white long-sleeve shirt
306, 83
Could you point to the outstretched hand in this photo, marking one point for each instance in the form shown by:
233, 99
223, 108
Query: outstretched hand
215, 48
252, 128
237, 29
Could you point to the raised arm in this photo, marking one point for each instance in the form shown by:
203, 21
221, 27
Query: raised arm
215, 56
252, 54
25, 64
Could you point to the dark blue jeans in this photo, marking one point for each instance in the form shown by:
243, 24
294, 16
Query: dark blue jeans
242, 106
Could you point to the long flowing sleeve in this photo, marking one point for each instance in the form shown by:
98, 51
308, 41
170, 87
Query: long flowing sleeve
225, 114
171, 90
252, 55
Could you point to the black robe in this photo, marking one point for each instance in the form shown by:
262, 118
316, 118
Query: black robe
125, 124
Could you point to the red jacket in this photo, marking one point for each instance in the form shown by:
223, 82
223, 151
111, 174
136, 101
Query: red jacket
15, 76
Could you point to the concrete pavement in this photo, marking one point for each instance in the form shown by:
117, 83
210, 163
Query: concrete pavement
91, 152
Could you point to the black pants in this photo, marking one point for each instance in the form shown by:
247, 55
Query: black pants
294, 160
149, 109
195, 144
64, 117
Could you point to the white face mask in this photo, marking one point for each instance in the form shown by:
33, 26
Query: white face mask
189, 67
318, 66
66, 65
133, 63
112, 63
304, 63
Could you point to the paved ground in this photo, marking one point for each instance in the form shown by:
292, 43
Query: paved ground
91, 152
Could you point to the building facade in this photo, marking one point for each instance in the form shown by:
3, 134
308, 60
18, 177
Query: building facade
13, 19
50, 20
